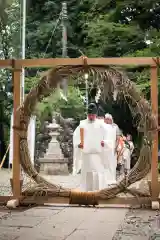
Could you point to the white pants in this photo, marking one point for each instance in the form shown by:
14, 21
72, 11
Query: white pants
110, 163
127, 159
93, 173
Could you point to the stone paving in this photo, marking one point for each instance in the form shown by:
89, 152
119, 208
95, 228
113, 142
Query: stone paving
73, 223
61, 222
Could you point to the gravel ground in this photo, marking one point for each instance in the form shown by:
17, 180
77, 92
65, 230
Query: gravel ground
139, 224
5, 175
65, 181
5, 188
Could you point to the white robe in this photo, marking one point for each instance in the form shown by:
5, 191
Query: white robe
126, 155
109, 155
77, 152
118, 132
90, 158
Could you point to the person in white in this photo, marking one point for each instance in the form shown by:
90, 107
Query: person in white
118, 131
101, 119
120, 149
109, 152
100, 114
88, 145
127, 153
125, 148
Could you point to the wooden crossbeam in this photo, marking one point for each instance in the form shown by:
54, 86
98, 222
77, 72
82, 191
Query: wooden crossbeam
51, 62
65, 200
6, 63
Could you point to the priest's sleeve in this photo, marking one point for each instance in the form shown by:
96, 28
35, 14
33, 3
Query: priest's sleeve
77, 152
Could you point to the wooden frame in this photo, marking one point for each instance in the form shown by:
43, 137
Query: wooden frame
16, 67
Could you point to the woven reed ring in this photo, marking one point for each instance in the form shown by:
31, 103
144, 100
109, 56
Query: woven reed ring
109, 79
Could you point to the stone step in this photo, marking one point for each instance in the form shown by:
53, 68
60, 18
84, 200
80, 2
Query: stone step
53, 160
54, 155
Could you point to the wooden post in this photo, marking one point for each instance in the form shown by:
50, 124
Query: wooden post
16, 182
154, 165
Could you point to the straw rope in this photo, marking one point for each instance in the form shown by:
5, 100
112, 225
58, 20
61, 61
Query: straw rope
109, 79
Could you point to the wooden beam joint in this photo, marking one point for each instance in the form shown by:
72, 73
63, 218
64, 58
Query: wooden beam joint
156, 61
15, 66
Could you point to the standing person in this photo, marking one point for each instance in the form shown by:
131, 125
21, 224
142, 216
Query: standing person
101, 119
118, 134
101, 114
109, 153
127, 152
120, 149
88, 144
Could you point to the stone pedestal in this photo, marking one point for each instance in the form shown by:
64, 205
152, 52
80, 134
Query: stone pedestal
53, 162
50, 167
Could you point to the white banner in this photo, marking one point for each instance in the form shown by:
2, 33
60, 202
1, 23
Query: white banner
30, 138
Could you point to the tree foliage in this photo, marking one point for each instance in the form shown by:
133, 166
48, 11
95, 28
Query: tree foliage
72, 108
9, 48
99, 28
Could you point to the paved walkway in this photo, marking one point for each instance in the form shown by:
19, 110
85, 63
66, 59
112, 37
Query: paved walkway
73, 223
61, 223
58, 222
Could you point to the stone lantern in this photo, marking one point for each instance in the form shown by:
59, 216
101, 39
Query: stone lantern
53, 162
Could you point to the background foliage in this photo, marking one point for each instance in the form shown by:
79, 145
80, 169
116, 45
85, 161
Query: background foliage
98, 28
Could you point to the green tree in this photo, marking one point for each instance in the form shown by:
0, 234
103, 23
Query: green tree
100, 28
8, 32
110, 39
72, 108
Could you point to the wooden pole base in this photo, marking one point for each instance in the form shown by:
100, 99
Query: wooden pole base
21, 184
155, 205
12, 204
